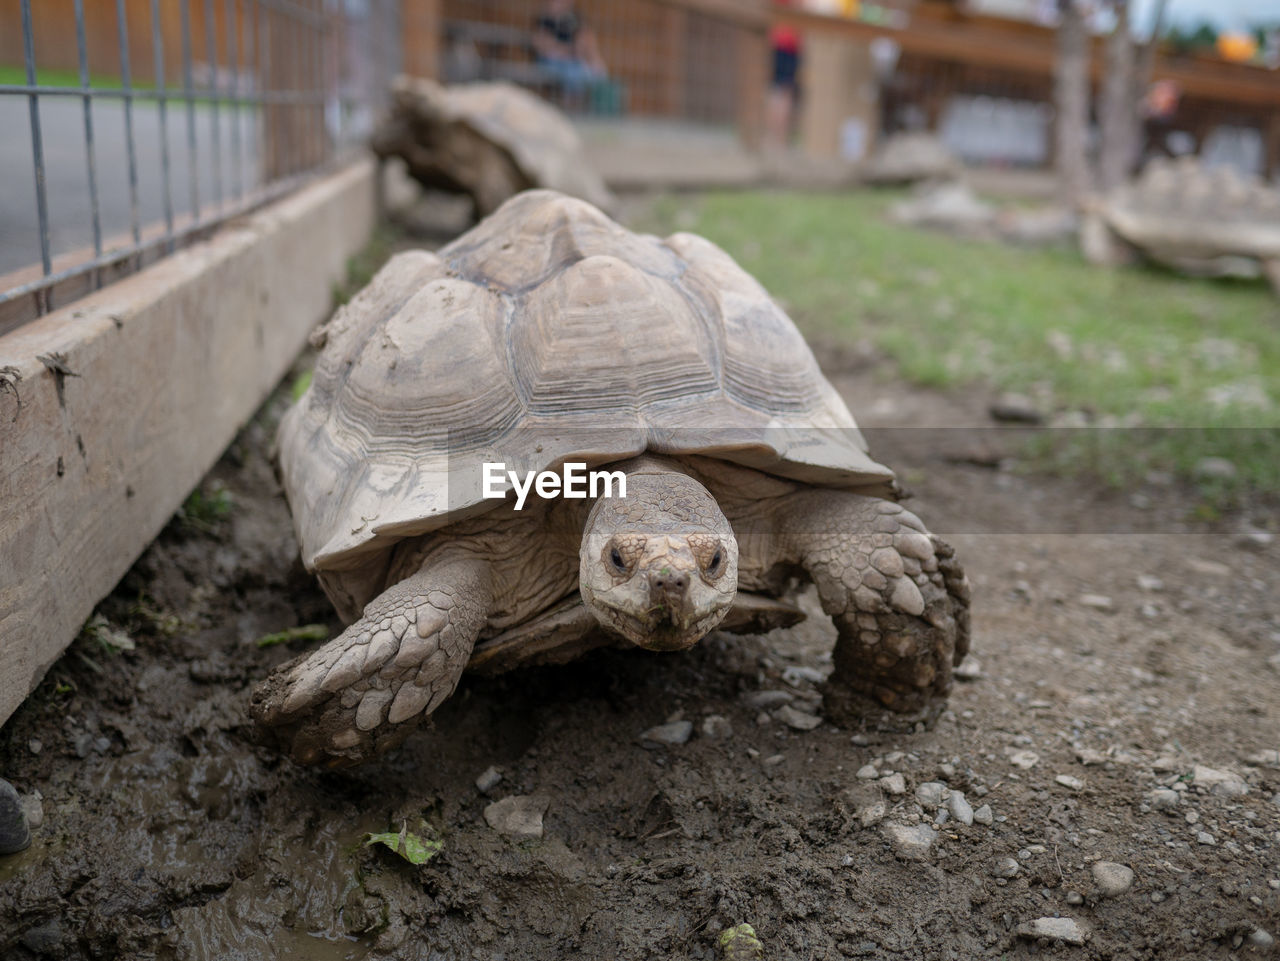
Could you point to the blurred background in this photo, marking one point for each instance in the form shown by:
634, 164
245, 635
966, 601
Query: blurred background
134, 125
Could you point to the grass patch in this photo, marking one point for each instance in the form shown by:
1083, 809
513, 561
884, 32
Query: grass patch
1127, 348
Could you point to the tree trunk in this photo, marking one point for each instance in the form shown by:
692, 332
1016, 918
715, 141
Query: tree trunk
1119, 119
1071, 93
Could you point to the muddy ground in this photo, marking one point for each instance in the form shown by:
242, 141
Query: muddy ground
1124, 693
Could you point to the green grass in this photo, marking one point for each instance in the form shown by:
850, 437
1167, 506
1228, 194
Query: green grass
1132, 347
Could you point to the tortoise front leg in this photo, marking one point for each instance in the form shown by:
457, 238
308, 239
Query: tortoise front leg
897, 595
362, 693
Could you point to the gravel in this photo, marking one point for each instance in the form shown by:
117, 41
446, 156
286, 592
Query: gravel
518, 816
487, 781
1053, 929
931, 794
894, 784
983, 815
960, 808
674, 732
867, 772
1005, 868
796, 719
910, 841
1163, 799
1112, 879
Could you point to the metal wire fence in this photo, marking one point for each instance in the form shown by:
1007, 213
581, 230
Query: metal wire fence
150, 122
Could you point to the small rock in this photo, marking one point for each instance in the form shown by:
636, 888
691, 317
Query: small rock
1053, 929
1098, 602
872, 814
674, 732
1005, 868
1075, 898
983, 815
1204, 837
1111, 878
910, 841
1253, 539
15, 833
33, 804
1162, 799
35, 745
867, 772
1015, 409
1024, 759
82, 744
795, 719
894, 784
1218, 782
1067, 781
1214, 468
765, 700
716, 727
1261, 939
960, 808
797, 673
970, 669
1264, 759
518, 816
1149, 582
487, 781
773, 760
1157, 897
1212, 568
931, 794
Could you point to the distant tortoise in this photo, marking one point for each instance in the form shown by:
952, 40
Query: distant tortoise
549, 335
1201, 220
486, 140
911, 157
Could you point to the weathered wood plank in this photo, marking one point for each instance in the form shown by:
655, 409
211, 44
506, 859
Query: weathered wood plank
159, 372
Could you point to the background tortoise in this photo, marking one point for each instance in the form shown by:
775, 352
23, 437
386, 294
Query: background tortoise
487, 140
550, 334
910, 157
1197, 219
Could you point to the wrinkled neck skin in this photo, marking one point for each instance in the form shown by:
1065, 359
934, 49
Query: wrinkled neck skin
659, 566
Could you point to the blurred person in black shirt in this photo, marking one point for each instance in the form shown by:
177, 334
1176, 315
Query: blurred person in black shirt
567, 47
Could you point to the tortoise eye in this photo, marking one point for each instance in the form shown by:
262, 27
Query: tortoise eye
715, 561
615, 557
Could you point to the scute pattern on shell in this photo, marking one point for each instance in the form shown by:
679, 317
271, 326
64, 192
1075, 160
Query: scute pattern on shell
547, 333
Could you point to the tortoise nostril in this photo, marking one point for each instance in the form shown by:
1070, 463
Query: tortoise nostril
669, 583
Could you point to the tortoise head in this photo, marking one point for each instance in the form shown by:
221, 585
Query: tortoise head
660, 564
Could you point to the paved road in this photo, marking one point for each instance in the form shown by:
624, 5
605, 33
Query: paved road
62, 127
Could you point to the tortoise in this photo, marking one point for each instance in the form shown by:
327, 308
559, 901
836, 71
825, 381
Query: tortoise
1202, 220
487, 140
911, 157
549, 336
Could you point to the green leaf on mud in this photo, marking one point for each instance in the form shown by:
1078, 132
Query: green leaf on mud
307, 632
408, 845
111, 639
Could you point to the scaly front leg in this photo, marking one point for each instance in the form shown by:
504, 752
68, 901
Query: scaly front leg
362, 693
897, 595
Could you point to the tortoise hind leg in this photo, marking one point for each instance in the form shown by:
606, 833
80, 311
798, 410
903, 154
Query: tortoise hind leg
898, 597
362, 692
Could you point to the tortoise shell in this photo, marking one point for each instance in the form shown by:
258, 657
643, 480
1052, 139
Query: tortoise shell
538, 137
548, 333
1184, 208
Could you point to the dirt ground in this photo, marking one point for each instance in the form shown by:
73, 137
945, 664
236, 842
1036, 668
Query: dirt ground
1122, 707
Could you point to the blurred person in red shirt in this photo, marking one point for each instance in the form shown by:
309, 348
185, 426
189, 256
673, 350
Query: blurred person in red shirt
786, 45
